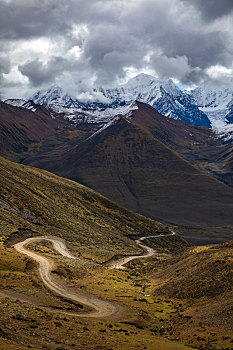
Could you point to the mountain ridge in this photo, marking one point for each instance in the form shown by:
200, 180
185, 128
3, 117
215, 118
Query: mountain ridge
163, 95
128, 164
204, 106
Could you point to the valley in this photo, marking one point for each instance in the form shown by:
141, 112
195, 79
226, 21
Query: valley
146, 304
166, 301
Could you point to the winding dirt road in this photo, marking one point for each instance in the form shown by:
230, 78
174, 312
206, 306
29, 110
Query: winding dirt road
101, 308
147, 252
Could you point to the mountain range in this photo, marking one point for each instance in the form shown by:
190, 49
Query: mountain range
163, 95
162, 166
204, 106
216, 103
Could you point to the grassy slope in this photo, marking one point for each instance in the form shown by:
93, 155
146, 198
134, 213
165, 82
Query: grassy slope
154, 317
197, 288
35, 202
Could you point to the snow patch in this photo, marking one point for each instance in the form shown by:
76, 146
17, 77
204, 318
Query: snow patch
111, 122
225, 133
15, 102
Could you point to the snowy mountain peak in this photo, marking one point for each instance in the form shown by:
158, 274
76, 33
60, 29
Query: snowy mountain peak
55, 88
163, 95
55, 95
139, 80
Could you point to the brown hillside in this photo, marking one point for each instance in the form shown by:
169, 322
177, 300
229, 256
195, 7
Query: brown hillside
129, 165
19, 127
198, 145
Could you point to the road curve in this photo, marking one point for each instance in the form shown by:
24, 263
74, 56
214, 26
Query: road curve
101, 308
148, 251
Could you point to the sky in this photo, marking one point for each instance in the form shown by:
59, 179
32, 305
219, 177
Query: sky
81, 44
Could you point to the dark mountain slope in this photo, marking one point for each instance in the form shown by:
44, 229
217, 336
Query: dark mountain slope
198, 145
180, 136
129, 165
19, 127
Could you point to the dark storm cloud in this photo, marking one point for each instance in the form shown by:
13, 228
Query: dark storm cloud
25, 19
40, 73
4, 68
172, 37
4, 65
212, 9
146, 26
109, 49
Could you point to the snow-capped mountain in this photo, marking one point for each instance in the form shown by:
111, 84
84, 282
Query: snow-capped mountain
202, 106
216, 103
163, 95
97, 116
225, 133
55, 96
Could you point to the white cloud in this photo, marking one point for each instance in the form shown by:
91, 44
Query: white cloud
219, 71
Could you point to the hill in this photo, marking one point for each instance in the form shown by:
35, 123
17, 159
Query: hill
194, 294
20, 127
33, 201
200, 146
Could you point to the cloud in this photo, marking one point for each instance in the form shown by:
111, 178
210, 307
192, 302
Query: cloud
80, 44
4, 65
39, 73
4, 69
26, 19
212, 9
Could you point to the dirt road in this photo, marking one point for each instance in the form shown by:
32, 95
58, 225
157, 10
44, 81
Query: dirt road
148, 251
101, 308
